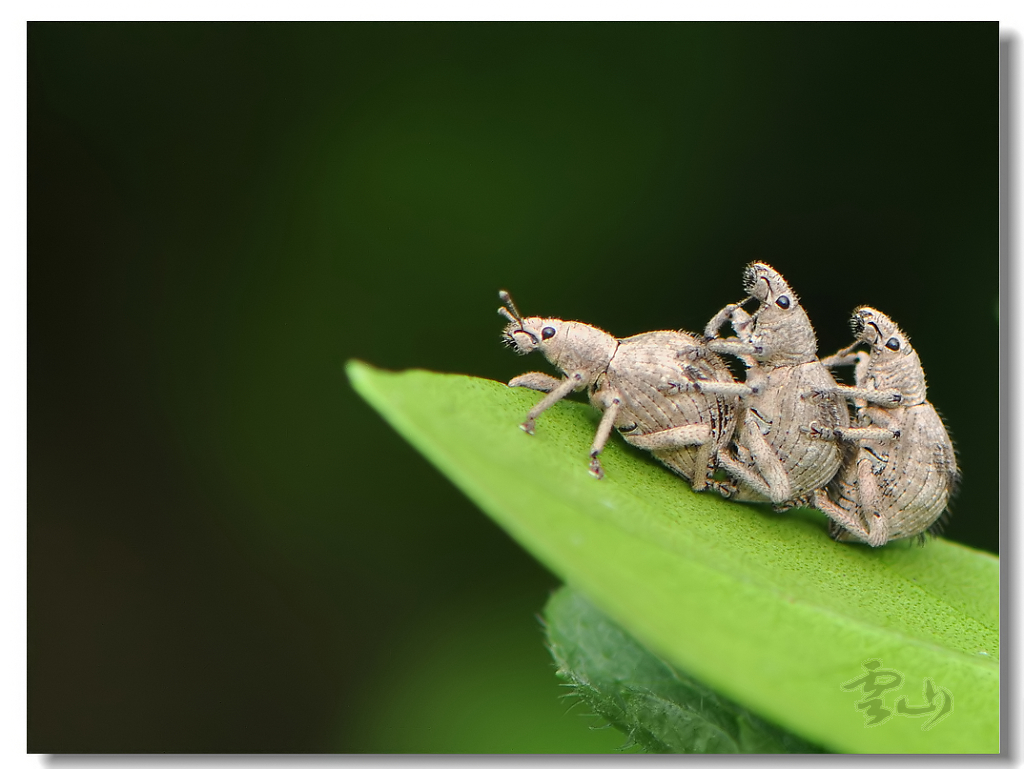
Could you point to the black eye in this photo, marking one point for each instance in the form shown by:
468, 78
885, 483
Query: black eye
893, 344
783, 302
547, 333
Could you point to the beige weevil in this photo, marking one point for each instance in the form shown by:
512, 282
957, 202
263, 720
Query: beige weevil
627, 381
897, 481
786, 388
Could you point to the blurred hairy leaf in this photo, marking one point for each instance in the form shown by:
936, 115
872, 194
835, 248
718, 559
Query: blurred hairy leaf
763, 608
659, 708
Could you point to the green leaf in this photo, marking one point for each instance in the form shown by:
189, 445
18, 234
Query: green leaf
762, 607
659, 708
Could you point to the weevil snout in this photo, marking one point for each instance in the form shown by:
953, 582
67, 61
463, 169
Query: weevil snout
763, 282
519, 338
857, 324
515, 335
750, 278
871, 326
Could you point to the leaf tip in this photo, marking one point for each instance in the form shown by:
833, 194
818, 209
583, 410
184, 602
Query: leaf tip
356, 370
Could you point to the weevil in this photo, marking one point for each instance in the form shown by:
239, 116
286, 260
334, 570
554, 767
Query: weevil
898, 479
626, 379
786, 388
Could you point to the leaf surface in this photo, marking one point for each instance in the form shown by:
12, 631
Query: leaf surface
762, 607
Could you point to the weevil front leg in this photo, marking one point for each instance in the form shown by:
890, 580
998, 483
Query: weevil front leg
844, 357
741, 345
738, 318
572, 382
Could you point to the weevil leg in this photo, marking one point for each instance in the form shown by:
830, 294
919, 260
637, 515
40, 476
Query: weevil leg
725, 488
604, 429
861, 361
869, 497
886, 421
698, 435
888, 398
563, 388
672, 438
744, 474
766, 460
703, 465
860, 370
845, 357
729, 312
733, 346
768, 478
740, 320
866, 434
535, 380
816, 430
842, 519
721, 389
805, 500
850, 434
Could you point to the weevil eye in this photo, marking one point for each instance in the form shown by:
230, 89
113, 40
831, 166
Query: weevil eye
547, 332
783, 302
893, 344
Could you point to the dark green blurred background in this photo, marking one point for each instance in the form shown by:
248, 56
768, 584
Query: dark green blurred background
228, 551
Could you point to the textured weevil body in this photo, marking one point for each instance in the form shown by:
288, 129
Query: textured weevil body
786, 388
627, 380
897, 479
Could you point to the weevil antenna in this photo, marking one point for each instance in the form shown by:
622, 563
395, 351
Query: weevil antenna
514, 315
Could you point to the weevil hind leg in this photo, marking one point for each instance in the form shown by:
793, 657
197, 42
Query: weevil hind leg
680, 437
770, 478
843, 525
866, 524
703, 466
535, 380
870, 498
672, 438
744, 474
